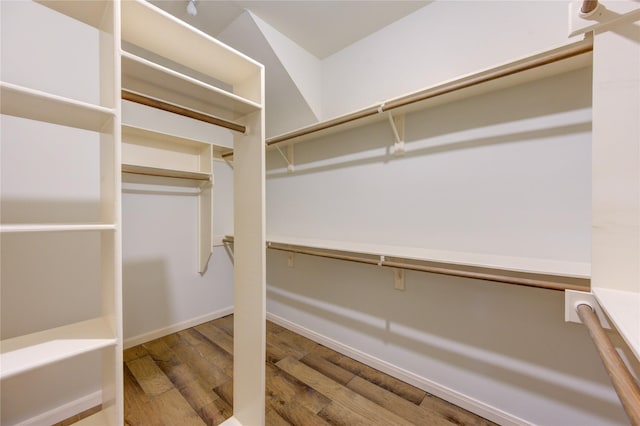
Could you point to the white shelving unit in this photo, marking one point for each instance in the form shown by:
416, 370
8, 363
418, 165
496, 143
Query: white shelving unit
169, 61
102, 334
152, 153
207, 77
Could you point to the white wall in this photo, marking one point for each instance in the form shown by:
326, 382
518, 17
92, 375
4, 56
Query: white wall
440, 41
505, 173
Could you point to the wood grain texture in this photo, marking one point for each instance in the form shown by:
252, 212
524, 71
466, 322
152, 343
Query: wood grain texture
186, 379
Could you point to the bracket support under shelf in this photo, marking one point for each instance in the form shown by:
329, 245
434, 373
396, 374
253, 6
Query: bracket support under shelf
397, 126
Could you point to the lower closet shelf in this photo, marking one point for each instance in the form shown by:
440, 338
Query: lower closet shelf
580, 270
530, 272
24, 353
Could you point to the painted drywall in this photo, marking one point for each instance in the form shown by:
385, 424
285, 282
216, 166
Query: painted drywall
505, 173
438, 42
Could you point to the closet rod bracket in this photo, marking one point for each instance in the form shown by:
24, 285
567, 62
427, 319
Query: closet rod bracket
288, 157
398, 279
397, 126
573, 298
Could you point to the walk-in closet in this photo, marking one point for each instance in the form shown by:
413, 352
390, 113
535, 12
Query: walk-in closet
293, 213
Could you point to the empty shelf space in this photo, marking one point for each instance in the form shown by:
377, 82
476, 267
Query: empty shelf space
89, 12
153, 153
24, 353
167, 36
143, 76
56, 227
36, 105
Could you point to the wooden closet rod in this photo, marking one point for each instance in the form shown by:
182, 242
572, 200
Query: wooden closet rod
623, 382
402, 264
588, 6
166, 106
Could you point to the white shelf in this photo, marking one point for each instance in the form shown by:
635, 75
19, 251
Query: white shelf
24, 353
623, 309
90, 12
56, 227
143, 76
156, 171
36, 105
167, 36
508, 263
154, 153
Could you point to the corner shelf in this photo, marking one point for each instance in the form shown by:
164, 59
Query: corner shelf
31, 351
37, 105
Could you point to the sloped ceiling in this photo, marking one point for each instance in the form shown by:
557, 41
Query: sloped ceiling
291, 38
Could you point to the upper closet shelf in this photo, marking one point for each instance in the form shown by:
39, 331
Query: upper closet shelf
143, 76
556, 61
90, 12
25, 353
37, 105
156, 31
539, 266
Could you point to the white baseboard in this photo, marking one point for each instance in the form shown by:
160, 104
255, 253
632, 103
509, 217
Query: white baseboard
174, 328
488, 412
65, 411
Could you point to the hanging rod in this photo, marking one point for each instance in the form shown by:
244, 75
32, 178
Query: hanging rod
622, 380
533, 62
588, 6
176, 109
401, 263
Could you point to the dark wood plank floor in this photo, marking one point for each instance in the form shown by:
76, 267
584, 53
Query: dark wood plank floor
186, 379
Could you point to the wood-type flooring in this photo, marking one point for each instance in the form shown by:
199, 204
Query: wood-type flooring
186, 379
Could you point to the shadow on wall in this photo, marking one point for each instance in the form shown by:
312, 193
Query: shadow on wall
145, 296
495, 118
15, 210
478, 331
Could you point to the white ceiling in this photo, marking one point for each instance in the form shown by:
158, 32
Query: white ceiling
322, 27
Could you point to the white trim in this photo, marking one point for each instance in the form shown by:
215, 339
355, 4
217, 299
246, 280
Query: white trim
468, 403
231, 421
65, 411
174, 328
